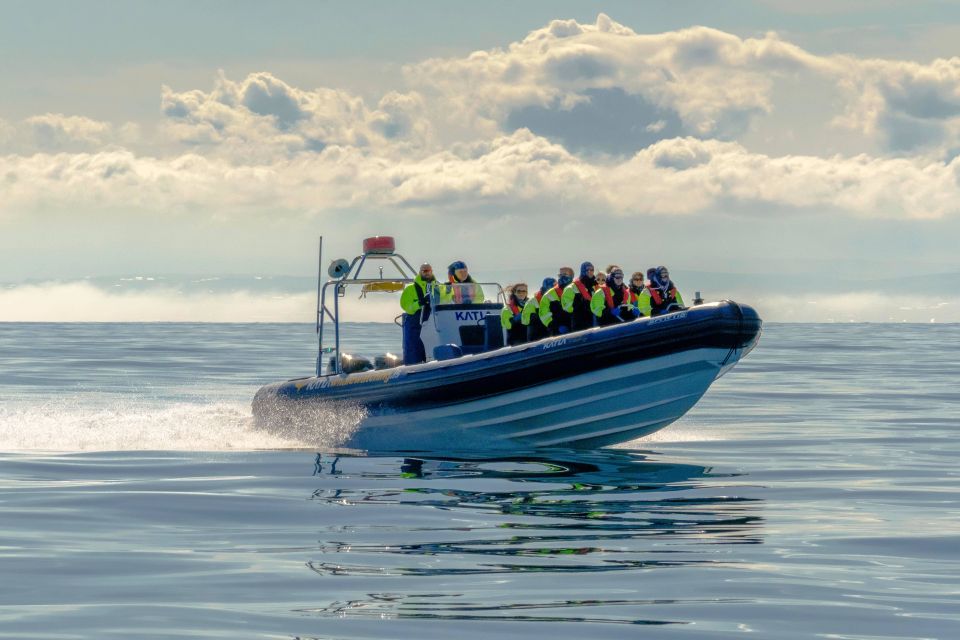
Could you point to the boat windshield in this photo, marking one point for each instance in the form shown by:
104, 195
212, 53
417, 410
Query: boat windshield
459, 293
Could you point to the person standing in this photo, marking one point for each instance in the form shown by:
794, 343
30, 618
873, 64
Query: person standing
415, 302
576, 298
531, 312
555, 319
511, 314
461, 288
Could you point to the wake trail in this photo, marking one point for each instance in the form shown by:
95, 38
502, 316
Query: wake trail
69, 425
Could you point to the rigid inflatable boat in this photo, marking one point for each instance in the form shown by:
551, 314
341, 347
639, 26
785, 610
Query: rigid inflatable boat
590, 388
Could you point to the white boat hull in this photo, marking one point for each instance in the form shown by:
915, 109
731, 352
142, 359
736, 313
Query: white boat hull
589, 410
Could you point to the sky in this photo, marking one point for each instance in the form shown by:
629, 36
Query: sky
179, 160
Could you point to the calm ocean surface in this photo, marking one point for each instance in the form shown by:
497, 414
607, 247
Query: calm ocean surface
813, 492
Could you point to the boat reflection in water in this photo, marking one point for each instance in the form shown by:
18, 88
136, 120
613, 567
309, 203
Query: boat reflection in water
467, 537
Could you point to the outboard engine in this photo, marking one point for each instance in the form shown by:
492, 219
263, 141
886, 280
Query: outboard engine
351, 364
387, 361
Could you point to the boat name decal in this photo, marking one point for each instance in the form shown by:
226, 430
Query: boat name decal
342, 381
554, 343
668, 318
371, 376
469, 315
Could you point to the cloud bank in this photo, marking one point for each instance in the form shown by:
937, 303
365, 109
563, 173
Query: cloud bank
575, 116
676, 176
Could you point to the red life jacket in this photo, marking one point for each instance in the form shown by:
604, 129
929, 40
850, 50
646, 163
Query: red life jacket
582, 288
513, 306
608, 294
559, 291
657, 298
538, 295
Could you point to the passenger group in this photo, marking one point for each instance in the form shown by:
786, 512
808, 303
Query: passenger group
559, 306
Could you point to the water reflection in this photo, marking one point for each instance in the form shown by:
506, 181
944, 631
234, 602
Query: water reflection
466, 536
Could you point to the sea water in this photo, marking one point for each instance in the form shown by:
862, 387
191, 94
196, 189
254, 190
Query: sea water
813, 492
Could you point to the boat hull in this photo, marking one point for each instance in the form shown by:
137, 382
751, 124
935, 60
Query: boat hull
588, 389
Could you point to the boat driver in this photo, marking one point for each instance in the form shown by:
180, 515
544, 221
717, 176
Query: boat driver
461, 288
415, 302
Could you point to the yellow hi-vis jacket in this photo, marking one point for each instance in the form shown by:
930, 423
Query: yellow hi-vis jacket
453, 292
570, 293
552, 295
508, 311
599, 300
410, 298
641, 302
532, 307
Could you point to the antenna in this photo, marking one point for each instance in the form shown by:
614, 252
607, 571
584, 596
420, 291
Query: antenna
319, 309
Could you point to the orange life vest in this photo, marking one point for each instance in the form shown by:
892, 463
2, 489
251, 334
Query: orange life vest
582, 288
608, 294
657, 298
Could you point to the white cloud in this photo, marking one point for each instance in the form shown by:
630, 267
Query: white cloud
262, 118
689, 175
709, 78
56, 132
569, 76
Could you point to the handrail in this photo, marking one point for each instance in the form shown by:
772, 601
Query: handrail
356, 267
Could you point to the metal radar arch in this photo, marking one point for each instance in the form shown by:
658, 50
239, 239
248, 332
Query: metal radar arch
378, 252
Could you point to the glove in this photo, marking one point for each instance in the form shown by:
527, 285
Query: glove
615, 312
635, 311
562, 329
516, 318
